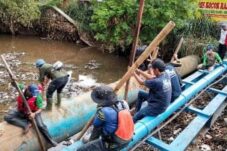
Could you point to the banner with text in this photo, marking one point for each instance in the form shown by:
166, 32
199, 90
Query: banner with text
216, 9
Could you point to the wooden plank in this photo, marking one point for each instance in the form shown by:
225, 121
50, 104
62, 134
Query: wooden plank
157, 40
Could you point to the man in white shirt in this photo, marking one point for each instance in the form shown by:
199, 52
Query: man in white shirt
222, 46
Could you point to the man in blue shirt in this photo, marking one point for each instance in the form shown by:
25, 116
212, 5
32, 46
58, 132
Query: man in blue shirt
160, 91
175, 81
106, 122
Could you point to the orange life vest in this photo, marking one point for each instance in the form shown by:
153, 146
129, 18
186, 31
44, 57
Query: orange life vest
125, 127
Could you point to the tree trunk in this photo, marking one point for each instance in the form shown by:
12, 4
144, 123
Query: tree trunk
11, 27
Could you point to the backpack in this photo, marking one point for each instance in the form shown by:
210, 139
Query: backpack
125, 127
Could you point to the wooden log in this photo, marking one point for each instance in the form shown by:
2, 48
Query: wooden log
135, 42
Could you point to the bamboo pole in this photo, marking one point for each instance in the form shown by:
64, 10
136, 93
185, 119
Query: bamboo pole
157, 40
42, 146
135, 42
154, 55
84, 130
177, 49
165, 31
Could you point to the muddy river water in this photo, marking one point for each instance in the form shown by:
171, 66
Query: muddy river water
81, 60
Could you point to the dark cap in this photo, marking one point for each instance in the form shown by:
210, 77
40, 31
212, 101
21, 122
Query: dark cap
104, 96
158, 64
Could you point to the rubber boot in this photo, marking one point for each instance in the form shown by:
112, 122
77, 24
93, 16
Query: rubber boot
58, 99
49, 104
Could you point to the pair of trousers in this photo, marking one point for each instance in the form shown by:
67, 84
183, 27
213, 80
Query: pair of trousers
146, 111
57, 84
19, 119
142, 97
98, 143
222, 50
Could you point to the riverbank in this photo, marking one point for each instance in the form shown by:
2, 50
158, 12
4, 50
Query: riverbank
50, 26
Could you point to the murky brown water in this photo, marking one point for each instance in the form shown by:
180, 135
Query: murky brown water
111, 67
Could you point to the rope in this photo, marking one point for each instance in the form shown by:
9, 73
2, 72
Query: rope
177, 113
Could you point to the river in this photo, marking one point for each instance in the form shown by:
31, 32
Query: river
103, 67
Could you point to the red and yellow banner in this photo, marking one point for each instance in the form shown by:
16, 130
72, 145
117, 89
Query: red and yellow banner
216, 9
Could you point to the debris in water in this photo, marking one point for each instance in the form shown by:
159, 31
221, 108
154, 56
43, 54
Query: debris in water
92, 64
84, 83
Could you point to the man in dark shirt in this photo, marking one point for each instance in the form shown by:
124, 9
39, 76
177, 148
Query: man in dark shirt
160, 91
175, 81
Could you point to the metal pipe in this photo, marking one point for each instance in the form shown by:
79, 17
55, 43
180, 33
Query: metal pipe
188, 64
147, 124
62, 122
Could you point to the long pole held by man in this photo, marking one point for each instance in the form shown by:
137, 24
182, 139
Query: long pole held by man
135, 42
157, 40
42, 146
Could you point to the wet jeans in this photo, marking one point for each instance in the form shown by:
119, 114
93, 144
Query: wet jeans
97, 143
17, 118
146, 111
222, 50
142, 97
57, 84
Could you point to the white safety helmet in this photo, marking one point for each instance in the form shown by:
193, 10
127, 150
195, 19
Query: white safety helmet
57, 65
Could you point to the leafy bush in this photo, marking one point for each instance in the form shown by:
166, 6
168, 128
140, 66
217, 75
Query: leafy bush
18, 11
81, 12
202, 27
51, 2
114, 21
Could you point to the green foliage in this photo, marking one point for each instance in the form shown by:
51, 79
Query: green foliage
81, 12
51, 2
19, 11
198, 33
201, 27
114, 21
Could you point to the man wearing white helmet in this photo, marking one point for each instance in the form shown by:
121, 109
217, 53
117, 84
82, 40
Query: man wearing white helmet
58, 76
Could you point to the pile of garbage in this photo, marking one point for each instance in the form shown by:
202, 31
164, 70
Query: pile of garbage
25, 75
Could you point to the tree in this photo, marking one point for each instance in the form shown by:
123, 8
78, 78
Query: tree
18, 11
113, 21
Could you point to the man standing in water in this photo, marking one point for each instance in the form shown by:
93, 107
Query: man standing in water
58, 76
